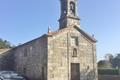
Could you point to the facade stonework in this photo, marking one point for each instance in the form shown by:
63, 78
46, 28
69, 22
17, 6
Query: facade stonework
60, 56
66, 54
29, 59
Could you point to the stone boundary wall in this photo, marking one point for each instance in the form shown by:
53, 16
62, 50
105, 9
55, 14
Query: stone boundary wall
109, 77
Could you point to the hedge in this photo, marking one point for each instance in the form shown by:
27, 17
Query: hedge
108, 71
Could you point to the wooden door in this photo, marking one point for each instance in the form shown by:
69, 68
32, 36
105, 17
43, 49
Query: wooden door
75, 71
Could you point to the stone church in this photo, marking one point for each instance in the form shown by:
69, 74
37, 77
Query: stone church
66, 54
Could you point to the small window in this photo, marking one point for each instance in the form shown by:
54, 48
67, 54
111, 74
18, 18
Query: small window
24, 70
74, 52
74, 41
25, 52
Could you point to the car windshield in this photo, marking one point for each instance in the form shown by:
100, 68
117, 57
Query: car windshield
10, 75
13, 78
7, 72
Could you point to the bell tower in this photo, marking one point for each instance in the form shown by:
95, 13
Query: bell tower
69, 16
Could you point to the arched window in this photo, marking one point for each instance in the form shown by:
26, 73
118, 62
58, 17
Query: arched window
74, 52
72, 7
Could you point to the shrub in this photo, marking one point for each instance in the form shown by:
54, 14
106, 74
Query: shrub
108, 71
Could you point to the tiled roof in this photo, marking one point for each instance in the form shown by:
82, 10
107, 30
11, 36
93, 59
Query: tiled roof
87, 35
3, 50
68, 28
58, 31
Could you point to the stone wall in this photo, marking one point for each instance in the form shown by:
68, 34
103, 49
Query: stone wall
7, 60
29, 59
60, 53
109, 77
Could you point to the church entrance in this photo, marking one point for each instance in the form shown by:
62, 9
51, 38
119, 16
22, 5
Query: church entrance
75, 71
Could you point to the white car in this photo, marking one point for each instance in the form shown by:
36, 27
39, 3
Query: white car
10, 75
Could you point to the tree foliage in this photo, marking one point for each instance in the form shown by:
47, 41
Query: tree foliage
104, 64
116, 61
108, 63
5, 44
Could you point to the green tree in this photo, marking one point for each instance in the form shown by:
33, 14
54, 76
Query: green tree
5, 44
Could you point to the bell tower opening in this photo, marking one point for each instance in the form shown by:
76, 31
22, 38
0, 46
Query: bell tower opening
72, 8
69, 16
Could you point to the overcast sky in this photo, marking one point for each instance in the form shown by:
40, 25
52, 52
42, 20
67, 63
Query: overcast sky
24, 20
